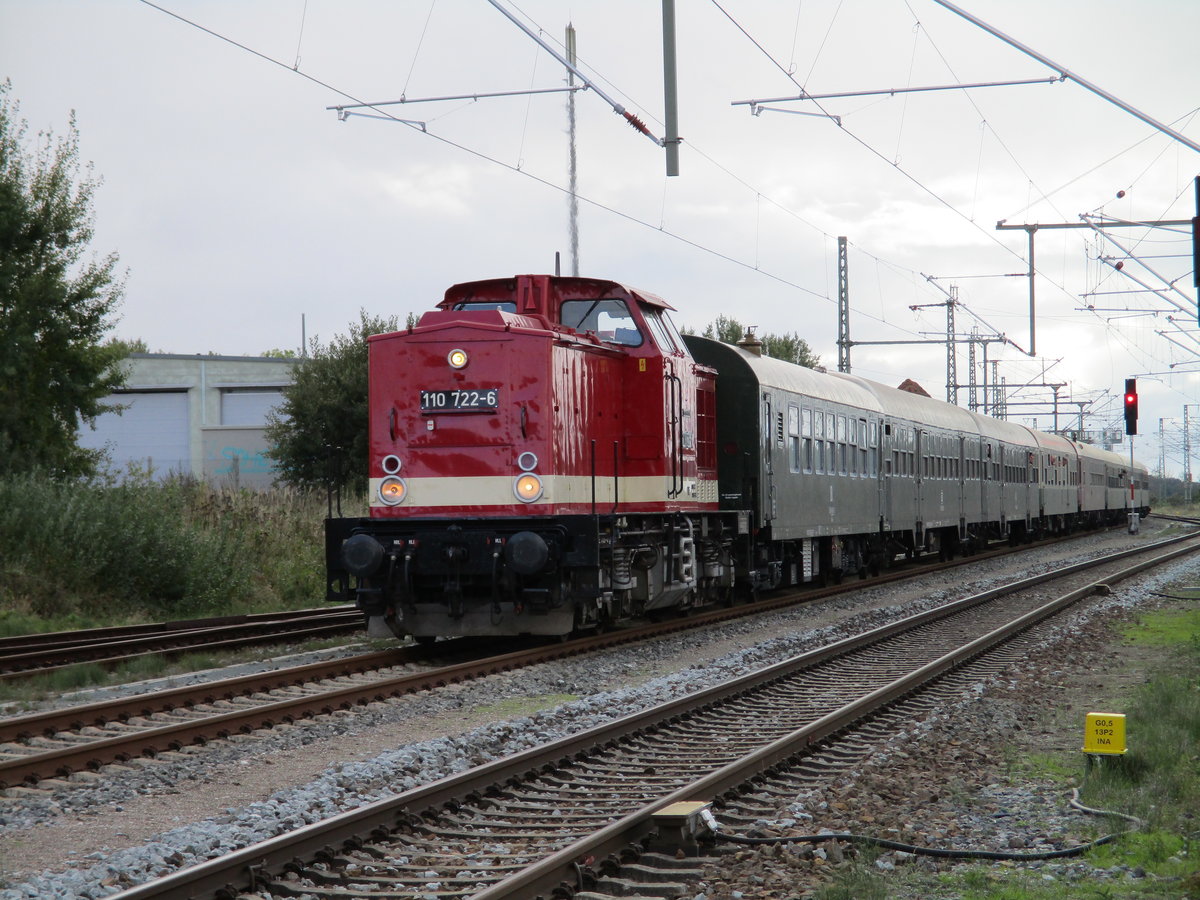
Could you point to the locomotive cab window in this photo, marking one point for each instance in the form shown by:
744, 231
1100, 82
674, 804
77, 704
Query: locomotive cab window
609, 320
663, 330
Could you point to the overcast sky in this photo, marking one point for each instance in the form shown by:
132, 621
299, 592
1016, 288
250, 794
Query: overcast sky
239, 204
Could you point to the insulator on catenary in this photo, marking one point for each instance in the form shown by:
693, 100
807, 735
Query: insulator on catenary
637, 123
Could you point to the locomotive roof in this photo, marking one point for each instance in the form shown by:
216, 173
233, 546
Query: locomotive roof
566, 287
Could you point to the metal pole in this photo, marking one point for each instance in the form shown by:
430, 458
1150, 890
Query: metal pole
1032, 332
1187, 456
670, 99
1162, 448
951, 349
1133, 516
572, 164
843, 342
972, 402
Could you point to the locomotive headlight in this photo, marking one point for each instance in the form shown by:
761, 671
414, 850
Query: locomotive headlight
392, 490
391, 464
527, 487
457, 359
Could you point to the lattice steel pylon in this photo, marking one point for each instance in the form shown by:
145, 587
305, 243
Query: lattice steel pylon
972, 401
843, 342
951, 349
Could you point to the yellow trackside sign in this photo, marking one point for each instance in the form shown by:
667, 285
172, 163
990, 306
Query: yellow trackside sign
1104, 733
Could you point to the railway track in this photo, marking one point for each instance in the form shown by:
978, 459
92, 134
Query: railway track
56, 743
39, 654
562, 818
1183, 520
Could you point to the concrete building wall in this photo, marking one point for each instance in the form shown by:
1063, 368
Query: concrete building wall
194, 415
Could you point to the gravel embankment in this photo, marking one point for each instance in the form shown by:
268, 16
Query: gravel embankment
154, 816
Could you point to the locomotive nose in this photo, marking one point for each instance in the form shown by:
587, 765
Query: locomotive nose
526, 553
362, 555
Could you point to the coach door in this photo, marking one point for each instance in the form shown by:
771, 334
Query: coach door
919, 482
884, 467
960, 484
768, 455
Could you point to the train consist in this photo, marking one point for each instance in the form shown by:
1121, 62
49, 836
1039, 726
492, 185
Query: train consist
549, 454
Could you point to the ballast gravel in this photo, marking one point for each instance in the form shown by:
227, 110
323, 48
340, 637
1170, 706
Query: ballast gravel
610, 684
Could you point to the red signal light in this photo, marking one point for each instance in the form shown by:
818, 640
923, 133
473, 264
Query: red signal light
1131, 406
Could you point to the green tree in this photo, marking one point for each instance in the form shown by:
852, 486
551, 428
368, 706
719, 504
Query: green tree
790, 347
318, 434
128, 347
725, 330
55, 307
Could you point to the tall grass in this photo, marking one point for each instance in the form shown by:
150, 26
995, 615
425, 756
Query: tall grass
77, 554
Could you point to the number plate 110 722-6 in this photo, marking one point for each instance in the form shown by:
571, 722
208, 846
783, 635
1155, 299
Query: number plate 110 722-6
460, 400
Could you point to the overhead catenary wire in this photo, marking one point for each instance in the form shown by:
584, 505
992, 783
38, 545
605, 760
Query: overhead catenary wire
420, 126
924, 188
699, 245
969, 218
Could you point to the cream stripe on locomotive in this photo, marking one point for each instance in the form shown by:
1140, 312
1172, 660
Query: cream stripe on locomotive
500, 490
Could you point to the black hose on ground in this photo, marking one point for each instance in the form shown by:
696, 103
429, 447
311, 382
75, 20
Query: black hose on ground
940, 853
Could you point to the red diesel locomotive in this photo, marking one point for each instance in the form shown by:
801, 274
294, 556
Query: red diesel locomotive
548, 454
542, 459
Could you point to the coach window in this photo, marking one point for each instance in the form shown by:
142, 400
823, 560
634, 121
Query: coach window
851, 449
852, 444
819, 434
841, 437
806, 434
794, 437
874, 442
610, 320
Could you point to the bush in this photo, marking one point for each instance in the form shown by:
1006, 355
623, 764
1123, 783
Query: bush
75, 553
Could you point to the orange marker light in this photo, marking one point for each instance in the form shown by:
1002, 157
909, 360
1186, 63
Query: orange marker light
392, 491
527, 487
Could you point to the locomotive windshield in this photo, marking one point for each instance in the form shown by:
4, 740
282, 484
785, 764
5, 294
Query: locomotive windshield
476, 305
609, 320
